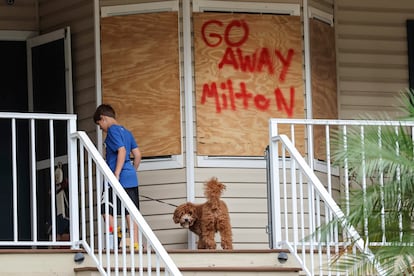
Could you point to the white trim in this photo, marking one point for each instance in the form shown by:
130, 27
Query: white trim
321, 15
161, 6
16, 35
188, 99
231, 162
251, 7
175, 161
45, 164
254, 163
41, 39
251, 162
189, 117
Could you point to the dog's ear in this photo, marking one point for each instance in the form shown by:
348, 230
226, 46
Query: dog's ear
177, 215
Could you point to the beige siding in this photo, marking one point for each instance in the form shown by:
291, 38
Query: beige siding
372, 55
245, 196
78, 15
20, 16
323, 5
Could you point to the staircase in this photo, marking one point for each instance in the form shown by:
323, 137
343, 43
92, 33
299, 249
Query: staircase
190, 262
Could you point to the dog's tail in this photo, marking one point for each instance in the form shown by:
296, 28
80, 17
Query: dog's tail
213, 189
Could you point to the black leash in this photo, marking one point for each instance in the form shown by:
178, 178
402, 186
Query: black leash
160, 201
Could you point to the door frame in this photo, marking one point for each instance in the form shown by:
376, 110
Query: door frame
63, 33
48, 164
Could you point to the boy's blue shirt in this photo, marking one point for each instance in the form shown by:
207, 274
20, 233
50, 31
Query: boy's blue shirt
118, 136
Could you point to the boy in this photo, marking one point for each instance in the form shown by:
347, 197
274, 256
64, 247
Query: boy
119, 144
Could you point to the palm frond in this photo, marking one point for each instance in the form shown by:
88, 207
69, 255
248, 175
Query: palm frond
382, 159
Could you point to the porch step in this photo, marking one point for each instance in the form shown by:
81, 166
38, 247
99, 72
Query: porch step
190, 262
219, 262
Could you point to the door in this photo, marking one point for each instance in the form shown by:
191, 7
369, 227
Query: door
50, 91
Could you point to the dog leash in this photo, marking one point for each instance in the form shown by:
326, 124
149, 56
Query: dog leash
160, 201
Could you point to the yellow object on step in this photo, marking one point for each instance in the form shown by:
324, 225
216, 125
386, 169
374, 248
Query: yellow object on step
136, 246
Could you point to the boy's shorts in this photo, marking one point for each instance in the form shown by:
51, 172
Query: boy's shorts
133, 193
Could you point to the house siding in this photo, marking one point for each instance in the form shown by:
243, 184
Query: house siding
372, 55
246, 194
372, 69
79, 16
21, 16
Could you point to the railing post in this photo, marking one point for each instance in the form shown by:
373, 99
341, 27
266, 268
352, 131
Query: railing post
73, 184
274, 191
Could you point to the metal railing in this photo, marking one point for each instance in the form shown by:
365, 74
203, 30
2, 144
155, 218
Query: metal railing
95, 239
32, 144
304, 193
38, 144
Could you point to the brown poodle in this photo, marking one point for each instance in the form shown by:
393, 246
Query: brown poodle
208, 218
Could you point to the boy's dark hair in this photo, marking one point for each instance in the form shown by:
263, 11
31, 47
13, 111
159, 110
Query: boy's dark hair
103, 109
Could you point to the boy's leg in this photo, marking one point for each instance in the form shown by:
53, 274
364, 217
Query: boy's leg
111, 222
135, 233
134, 195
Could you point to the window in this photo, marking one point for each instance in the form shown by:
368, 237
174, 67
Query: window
141, 77
248, 69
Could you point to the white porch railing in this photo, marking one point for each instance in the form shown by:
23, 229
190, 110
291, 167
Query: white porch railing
300, 202
32, 144
53, 138
95, 239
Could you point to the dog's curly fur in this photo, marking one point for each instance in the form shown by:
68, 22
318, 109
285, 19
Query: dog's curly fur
208, 218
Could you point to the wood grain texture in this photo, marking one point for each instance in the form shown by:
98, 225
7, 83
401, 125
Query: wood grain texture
240, 128
140, 78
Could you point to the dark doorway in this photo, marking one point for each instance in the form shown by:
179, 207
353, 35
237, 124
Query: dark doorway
43, 90
14, 98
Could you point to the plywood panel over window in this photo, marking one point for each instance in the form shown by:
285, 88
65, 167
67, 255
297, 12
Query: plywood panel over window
140, 78
248, 68
323, 71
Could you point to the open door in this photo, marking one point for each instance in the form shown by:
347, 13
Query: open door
50, 72
50, 91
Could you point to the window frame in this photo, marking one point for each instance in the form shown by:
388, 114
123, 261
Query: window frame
156, 163
247, 7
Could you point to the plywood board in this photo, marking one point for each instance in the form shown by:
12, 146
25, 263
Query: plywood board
248, 68
140, 78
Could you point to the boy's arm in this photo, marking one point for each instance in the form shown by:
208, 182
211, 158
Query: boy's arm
137, 157
120, 160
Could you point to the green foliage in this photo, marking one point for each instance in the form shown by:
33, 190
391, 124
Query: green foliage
385, 161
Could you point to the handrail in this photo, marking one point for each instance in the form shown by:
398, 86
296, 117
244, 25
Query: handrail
152, 241
304, 168
42, 141
33, 137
